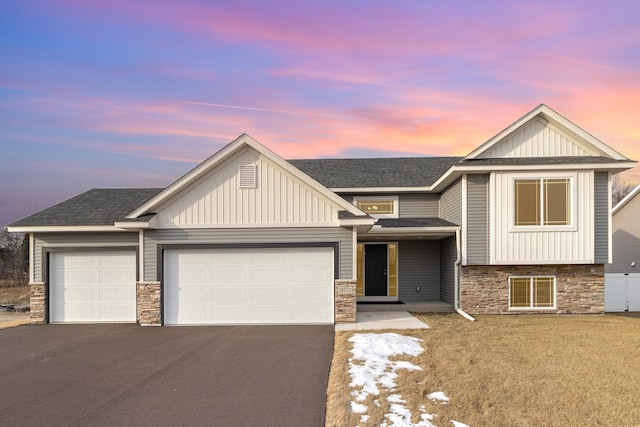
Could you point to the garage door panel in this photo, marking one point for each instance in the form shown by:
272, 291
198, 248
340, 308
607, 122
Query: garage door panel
93, 286
260, 285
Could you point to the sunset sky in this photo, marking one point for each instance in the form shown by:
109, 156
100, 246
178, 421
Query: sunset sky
115, 93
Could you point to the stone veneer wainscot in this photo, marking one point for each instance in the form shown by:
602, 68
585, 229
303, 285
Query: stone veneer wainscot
484, 289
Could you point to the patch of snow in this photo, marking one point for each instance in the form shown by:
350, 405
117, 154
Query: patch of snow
358, 408
374, 351
438, 396
377, 403
458, 424
395, 398
364, 418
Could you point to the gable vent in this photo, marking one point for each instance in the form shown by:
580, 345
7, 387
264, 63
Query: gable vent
248, 174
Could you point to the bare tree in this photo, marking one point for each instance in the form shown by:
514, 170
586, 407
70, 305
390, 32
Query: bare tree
12, 256
619, 189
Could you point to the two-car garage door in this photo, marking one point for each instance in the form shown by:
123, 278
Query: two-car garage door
248, 286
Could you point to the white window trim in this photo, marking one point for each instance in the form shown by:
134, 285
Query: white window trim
393, 199
555, 299
573, 202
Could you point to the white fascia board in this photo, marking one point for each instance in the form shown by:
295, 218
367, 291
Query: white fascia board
353, 222
626, 199
132, 225
63, 228
413, 230
224, 153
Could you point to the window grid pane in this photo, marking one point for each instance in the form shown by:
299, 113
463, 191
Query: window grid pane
556, 201
527, 203
377, 207
543, 292
520, 292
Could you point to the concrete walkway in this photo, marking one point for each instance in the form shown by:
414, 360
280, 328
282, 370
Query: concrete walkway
382, 320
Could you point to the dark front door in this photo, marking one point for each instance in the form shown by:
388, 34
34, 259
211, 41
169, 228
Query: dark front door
375, 270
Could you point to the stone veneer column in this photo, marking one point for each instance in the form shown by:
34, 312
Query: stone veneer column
484, 289
38, 302
149, 303
345, 301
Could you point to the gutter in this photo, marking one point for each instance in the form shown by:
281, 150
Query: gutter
456, 281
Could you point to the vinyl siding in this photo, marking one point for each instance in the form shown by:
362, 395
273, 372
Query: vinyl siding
342, 236
542, 245
448, 255
419, 265
425, 205
626, 238
76, 240
278, 199
451, 203
536, 139
601, 217
477, 232
410, 205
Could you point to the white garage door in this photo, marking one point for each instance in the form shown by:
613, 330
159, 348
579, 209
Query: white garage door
251, 286
93, 286
621, 292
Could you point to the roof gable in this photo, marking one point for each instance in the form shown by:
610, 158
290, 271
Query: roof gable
543, 133
628, 198
220, 171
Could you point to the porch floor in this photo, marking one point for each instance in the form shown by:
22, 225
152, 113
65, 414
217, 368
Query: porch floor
415, 307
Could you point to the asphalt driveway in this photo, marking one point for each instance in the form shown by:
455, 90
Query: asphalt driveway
189, 376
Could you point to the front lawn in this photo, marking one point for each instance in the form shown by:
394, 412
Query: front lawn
538, 370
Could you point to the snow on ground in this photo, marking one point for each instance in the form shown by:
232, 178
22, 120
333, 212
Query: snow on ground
371, 368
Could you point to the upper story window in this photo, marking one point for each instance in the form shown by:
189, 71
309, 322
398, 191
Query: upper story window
545, 201
378, 207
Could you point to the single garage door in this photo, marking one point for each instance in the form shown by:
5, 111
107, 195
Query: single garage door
92, 286
248, 286
621, 292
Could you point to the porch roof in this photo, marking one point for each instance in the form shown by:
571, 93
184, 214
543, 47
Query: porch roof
408, 228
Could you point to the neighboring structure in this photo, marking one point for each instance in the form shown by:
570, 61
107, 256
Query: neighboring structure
622, 276
521, 224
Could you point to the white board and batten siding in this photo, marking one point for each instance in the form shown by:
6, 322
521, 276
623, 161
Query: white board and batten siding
537, 139
92, 286
278, 199
548, 245
248, 286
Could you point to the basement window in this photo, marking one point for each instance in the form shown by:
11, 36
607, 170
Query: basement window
530, 293
248, 176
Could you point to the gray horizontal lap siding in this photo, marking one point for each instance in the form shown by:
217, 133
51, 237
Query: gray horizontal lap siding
419, 265
76, 240
418, 205
448, 256
477, 230
626, 238
601, 203
248, 236
410, 205
451, 203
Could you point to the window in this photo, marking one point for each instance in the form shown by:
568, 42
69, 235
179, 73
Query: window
542, 202
532, 292
378, 207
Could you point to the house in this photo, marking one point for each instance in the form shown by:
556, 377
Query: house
622, 276
519, 225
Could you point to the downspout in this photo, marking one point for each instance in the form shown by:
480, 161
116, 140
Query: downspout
456, 281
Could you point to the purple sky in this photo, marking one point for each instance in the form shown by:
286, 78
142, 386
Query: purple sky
118, 93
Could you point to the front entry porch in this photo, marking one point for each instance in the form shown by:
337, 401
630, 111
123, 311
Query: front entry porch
413, 307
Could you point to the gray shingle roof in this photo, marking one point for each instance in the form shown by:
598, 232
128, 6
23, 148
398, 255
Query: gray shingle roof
94, 207
385, 172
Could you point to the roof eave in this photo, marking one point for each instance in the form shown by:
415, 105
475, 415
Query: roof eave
62, 228
626, 200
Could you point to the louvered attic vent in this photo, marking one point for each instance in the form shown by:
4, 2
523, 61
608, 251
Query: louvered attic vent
248, 175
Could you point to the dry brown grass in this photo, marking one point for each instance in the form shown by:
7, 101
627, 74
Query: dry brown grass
566, 370
13, 292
